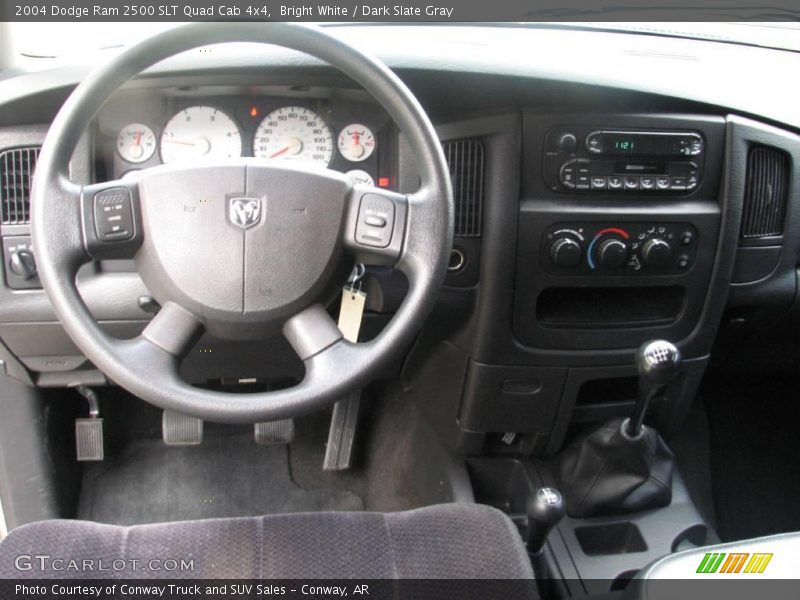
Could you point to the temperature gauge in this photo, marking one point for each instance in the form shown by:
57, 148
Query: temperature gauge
356, 142
136, 143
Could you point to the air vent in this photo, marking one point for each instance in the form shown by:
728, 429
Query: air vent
765, 193
16, 172
465, 159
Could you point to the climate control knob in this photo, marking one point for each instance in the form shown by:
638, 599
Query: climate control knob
565, 252
612, 253
656, 252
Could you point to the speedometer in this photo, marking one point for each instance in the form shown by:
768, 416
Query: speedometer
294, 133
200, 132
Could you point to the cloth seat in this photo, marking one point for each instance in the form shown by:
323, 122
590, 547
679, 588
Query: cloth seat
450, 541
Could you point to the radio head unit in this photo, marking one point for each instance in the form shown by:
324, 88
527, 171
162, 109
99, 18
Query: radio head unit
619, 160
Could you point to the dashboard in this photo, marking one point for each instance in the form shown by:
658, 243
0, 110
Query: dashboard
595, 208
186, 124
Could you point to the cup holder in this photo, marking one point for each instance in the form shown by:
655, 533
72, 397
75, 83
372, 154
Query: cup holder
693, 537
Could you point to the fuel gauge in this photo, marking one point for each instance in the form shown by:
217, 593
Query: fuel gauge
136, 143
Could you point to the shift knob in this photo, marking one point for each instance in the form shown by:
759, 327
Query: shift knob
544, 509
658, 362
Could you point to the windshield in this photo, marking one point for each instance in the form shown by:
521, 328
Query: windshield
38, 42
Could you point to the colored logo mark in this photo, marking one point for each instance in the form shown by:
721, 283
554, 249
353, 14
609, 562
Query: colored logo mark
734, 562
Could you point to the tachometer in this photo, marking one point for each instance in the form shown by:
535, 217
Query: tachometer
294, 133
200, 132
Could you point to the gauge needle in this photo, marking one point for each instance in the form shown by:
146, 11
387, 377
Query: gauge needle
295, 146
182, 143
280, 152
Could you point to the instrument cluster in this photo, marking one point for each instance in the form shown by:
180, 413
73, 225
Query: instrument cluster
353, 137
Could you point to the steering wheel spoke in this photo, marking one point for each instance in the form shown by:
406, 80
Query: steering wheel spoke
375, 225
174, 329
111, 219
311, 332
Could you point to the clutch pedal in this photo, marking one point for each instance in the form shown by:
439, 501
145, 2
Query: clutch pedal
89, 431
339, 451
275, 432
178, 429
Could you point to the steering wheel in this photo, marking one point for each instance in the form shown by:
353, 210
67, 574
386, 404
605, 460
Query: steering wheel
241, 249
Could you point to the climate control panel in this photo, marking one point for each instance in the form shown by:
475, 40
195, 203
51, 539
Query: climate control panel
634, 248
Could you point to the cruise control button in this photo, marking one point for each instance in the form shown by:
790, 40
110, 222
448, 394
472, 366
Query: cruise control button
375, 221
375, 209
113, 215
662, 183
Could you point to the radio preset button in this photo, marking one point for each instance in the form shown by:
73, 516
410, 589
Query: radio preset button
599, 182
647, 183
615, 182
677, 183
631, 182
662, 183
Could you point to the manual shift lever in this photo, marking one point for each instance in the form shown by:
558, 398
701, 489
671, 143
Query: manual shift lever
623, 466
658, 362
544, 509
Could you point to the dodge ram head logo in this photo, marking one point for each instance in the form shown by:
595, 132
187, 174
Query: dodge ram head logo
244, 212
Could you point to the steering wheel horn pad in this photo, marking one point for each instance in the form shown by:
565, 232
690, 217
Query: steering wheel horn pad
241, 249
269, 238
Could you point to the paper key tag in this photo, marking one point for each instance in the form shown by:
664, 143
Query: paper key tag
351, 312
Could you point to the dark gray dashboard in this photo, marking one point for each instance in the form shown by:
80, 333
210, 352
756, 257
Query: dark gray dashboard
502, 352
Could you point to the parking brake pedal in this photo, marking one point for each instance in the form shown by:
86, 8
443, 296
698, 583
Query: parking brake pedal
178, 429
275, 432
89, 432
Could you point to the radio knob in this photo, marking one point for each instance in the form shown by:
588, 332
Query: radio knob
565, 252
656, 252
612, 253
567, 142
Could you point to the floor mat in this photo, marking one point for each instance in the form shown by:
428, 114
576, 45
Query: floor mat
755, 456
228, 475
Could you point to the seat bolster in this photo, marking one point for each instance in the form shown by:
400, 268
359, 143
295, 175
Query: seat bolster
449, 541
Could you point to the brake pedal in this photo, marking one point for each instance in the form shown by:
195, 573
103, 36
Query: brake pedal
275, 432
339, 452
178, 429
89, 431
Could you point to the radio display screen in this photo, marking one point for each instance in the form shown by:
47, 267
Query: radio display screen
646, 144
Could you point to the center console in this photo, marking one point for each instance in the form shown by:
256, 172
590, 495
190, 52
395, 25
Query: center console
618, 229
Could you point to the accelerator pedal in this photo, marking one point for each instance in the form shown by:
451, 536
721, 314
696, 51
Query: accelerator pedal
178, 429
275, 432
339, 452
89, 432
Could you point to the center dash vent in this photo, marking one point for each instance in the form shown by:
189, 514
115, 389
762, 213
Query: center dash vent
765, 193
466, 162
16, 172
